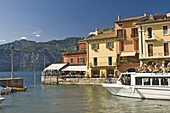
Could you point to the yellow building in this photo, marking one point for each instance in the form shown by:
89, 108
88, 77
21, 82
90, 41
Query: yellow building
101, 54
154, 39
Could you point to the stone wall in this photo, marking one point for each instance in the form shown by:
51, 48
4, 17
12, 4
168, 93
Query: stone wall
16, 82
76, 81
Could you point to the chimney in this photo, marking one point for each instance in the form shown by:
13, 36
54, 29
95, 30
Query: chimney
97, 31
118, 17
145, 13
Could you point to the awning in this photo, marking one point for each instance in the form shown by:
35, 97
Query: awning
55, 66
75, 68
124, 53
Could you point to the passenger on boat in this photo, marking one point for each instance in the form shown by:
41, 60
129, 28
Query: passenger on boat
144, 69
163, 69
168, 67
156, 69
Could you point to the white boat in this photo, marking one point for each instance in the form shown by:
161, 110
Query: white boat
141, 85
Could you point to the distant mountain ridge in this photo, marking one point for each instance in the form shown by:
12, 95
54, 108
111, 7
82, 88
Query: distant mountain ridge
34, 56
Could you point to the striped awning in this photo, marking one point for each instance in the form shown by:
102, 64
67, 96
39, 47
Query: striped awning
75, 68
55, 66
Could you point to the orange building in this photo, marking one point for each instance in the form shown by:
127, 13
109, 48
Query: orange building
76, 58
127, 43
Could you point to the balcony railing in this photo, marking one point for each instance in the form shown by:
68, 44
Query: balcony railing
122, 61
103, 64
134, 35
155, 55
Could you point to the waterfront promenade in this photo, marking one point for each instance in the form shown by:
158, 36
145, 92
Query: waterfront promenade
76, 81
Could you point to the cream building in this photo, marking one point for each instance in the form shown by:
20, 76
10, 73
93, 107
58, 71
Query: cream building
154, 39
101, 54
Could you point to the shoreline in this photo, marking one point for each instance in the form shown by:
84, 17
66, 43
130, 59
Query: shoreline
50, 80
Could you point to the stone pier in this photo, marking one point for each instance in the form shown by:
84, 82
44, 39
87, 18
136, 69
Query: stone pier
76, 81
15, 82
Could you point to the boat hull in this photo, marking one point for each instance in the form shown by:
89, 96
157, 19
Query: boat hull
1, 99
143, 92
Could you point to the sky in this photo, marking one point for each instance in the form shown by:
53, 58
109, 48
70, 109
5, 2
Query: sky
45, 20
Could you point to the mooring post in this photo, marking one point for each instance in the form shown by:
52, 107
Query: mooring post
34, 79
57, 80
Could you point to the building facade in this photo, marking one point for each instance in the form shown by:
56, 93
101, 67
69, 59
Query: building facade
101, 54
154, 39
76, 58
127, 46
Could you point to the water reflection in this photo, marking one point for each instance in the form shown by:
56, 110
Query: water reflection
74, 99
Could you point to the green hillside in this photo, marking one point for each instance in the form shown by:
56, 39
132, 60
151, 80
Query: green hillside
31, 56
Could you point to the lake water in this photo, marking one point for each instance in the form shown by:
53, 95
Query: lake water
73, 99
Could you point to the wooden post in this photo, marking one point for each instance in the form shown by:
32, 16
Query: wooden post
34, 79
57, 80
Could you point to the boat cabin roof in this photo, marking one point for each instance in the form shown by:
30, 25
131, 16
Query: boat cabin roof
135, 78
147, 74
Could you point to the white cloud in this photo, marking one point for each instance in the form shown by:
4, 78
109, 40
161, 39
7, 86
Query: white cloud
23, 38
37, 33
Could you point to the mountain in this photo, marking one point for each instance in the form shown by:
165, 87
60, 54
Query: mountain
34, 56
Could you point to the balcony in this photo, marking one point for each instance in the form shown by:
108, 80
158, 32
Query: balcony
155, 55
134, 36
123, 61
121, 34
102, 64
150, 39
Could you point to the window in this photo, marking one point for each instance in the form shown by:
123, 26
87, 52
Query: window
138, 81
110, 73
109, 45
96, 73
149, 31
165, 30
166, 49
95, 61
120, 24
80, 60
146, 81
134, 32
109, 61
71, 60
150, 50
95, 46
121, 33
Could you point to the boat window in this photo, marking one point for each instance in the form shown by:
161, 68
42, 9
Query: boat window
125, 79
146, 81
155, 81
164, 81
138, 81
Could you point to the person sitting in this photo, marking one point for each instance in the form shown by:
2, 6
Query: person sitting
156, 69
168, 67
163, 67
150, 69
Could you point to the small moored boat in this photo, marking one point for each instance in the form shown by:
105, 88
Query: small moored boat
141, 85
17, 89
